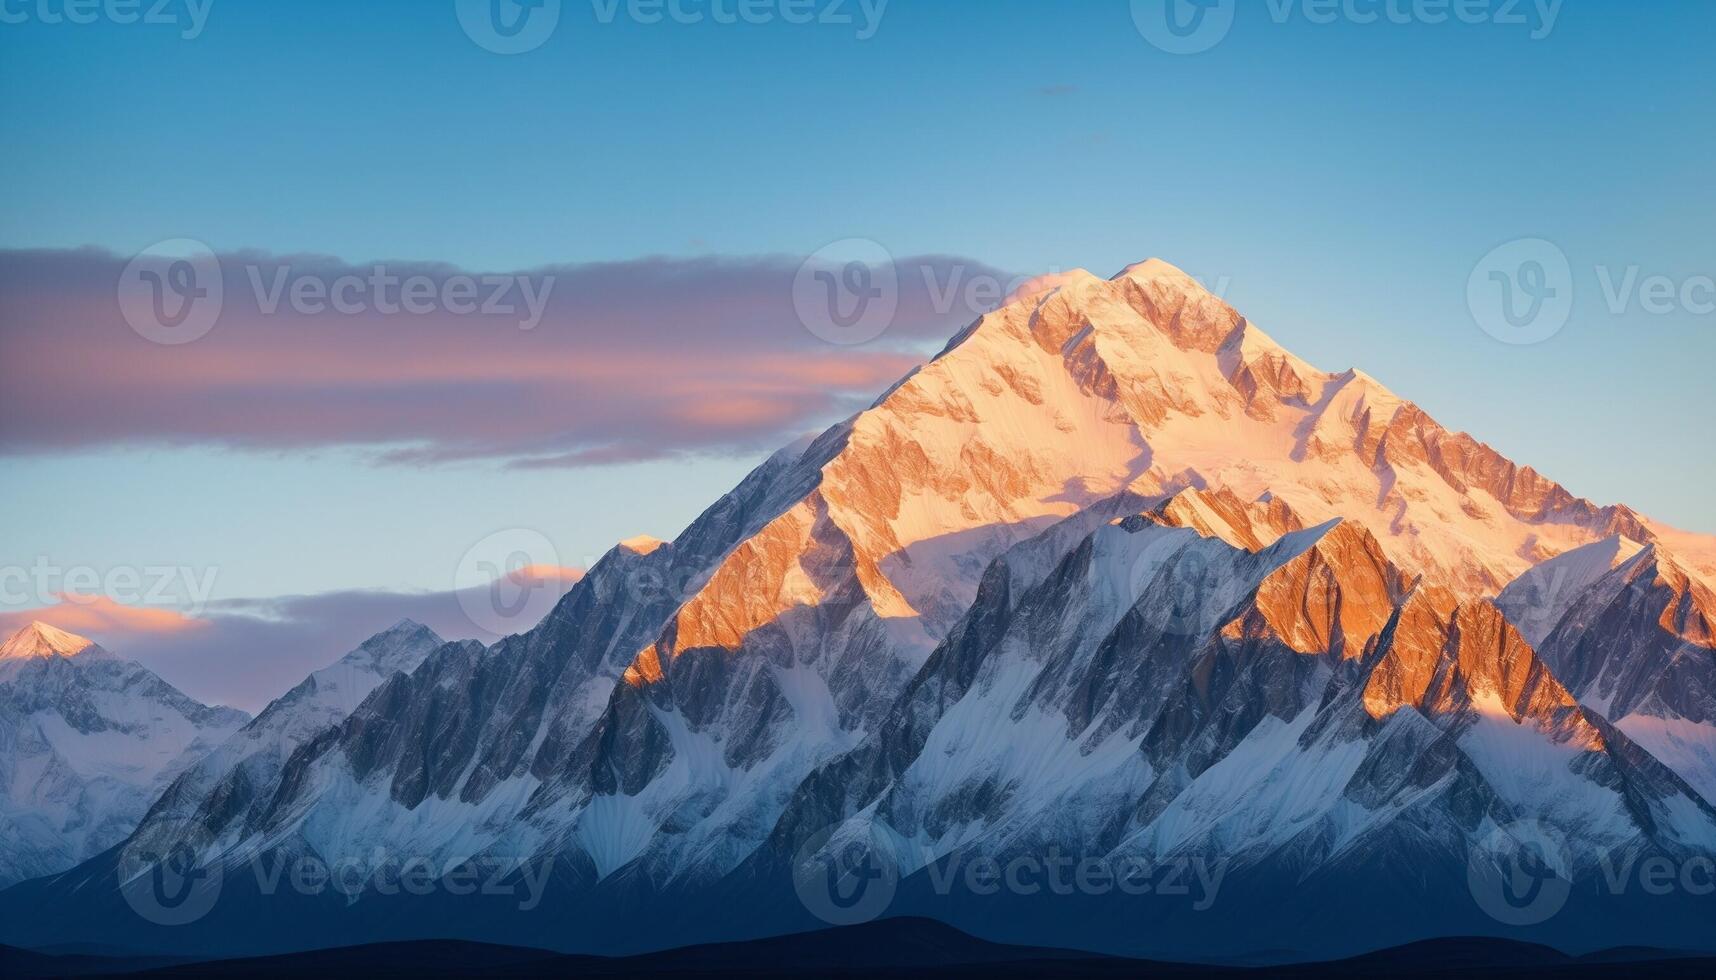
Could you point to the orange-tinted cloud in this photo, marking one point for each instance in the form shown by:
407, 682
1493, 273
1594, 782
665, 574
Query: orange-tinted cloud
537, 574
96, 615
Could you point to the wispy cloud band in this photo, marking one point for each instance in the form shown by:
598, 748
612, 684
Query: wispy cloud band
575, 365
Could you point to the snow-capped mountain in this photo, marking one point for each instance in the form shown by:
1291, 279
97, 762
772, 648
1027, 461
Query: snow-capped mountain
801, 641
87, 742
1115, 574
241, 774
1293, 706
1631, 630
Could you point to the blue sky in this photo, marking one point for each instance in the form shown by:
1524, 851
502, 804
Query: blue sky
1338, 181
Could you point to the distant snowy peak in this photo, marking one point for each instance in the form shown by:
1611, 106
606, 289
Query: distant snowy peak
216, 796
39, 640
90, 741
1536, 601
1639, 636
1631, 631
331, 693
401, 646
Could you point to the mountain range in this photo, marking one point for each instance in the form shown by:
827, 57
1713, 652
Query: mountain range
1114, 577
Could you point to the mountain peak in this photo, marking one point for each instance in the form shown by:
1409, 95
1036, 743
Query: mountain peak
41, 641
1151, 270
642, 544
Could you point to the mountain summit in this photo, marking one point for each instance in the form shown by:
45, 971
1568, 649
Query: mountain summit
39, 640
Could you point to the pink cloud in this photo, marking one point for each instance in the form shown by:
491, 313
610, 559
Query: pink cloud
629, 361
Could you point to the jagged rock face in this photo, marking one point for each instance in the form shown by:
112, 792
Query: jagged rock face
226, 793
1413, 716
472, 734
87, 743
1636, 643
